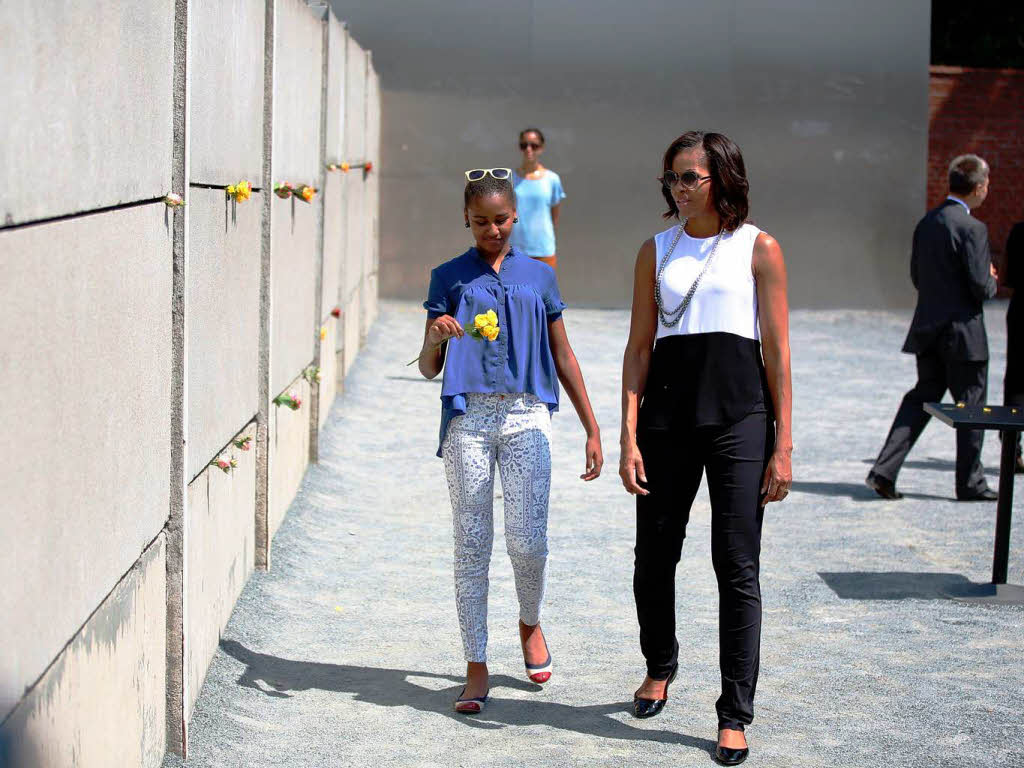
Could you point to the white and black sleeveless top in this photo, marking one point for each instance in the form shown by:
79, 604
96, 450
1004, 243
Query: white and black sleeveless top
707, 368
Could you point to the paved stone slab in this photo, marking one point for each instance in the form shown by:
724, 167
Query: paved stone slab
347, 653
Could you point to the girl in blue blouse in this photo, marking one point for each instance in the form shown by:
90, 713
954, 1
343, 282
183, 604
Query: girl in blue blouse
500, 387
539, 197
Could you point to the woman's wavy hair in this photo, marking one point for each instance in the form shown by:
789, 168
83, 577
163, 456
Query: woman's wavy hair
729, 185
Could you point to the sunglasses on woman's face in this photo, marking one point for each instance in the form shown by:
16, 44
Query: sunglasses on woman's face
478, 173
689, 179
524, 144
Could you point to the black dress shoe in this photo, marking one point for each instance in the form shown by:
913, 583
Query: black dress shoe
883, 487
644, 708
986, 494
728, 756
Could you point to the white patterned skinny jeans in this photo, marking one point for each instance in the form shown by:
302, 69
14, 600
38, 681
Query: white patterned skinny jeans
513, 431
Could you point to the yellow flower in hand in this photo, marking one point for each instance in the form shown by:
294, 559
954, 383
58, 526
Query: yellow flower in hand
481, 321
492, 317
490, 332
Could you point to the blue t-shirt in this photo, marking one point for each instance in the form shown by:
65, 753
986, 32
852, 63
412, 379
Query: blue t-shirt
534, 235
524, 294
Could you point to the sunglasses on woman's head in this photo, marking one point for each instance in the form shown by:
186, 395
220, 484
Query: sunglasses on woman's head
689, 179
478, 173
524, 144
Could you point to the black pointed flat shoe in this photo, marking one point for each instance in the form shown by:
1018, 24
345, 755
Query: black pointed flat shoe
883, 487
644, 708
729, 756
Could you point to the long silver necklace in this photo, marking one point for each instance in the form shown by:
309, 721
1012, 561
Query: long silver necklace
671, 318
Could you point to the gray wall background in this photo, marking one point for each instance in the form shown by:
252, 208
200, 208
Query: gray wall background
828, 102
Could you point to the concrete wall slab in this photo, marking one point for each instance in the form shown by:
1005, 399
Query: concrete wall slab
289, 454
101, 703
223, 320
90, 111
226, 42
219, 556
328, 368
298, 73
86, 363
293, 324
334, 239
337, 53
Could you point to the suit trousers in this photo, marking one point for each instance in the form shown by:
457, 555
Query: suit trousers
967, 381
735, 458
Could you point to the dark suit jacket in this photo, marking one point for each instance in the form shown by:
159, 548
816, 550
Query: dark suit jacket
949, 265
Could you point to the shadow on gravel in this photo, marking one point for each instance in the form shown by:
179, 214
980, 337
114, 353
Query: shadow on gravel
932, 462
896, 585
392, 688
855, 491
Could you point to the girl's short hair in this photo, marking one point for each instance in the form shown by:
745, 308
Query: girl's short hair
488, 186
729, 185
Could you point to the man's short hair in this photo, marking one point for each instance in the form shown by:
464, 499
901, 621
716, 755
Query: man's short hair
965, 173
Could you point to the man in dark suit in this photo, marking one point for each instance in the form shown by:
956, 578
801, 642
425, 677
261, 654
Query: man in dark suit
952, 270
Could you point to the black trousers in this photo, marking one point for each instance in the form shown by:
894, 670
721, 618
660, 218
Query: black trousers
967, 381
734, 458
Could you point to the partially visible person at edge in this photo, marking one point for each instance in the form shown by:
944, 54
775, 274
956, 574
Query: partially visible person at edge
951, 268
539, 195
1012, 274
497, 397
714, 396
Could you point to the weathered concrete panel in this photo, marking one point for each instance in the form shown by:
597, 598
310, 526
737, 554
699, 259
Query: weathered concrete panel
226, 132
298, 74
223, 320
334, 240
337, 42
90, 110
293, 324
352, 312
289, 454
101, 704
328, 368
219, 556
85, 461
355, 103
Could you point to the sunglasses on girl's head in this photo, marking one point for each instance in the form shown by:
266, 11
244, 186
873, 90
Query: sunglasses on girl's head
478, 173
689, 179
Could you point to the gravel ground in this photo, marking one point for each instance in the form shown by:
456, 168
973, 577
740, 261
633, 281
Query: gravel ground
347, 652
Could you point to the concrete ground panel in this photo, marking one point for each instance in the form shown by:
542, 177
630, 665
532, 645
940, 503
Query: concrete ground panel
86, 365
289, 453
334, 239
298, 73
293, 319
102, 702
219, 555
64, 120
223, 320
226, 46
328, 368
337, 42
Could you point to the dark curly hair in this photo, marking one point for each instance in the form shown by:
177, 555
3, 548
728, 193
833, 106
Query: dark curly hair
729, 186
488, 186
522, 134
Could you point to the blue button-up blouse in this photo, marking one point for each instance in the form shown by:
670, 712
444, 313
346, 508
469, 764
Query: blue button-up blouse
524, 294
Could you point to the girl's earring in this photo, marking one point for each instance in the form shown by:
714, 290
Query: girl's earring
515, 220
467, 225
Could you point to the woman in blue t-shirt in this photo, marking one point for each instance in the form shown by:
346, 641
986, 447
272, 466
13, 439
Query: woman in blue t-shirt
539, 196
500, 387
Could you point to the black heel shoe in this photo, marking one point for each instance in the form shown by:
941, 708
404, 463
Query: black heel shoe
730, 755
644, 708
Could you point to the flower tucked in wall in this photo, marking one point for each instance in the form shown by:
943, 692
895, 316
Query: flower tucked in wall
291, 399
306, 193
284, 189
243, 443
368, 166
313, 373
225, 464
336, 312
323, 332
332, 166
239, 192
173, 201
345, 167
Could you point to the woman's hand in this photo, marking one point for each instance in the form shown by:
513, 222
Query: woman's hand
631, 469
443, 328
595, 459
777, 477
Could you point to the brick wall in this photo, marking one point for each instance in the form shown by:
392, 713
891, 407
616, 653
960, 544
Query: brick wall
980, 111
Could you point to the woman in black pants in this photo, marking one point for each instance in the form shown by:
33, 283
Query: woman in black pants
714, 396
